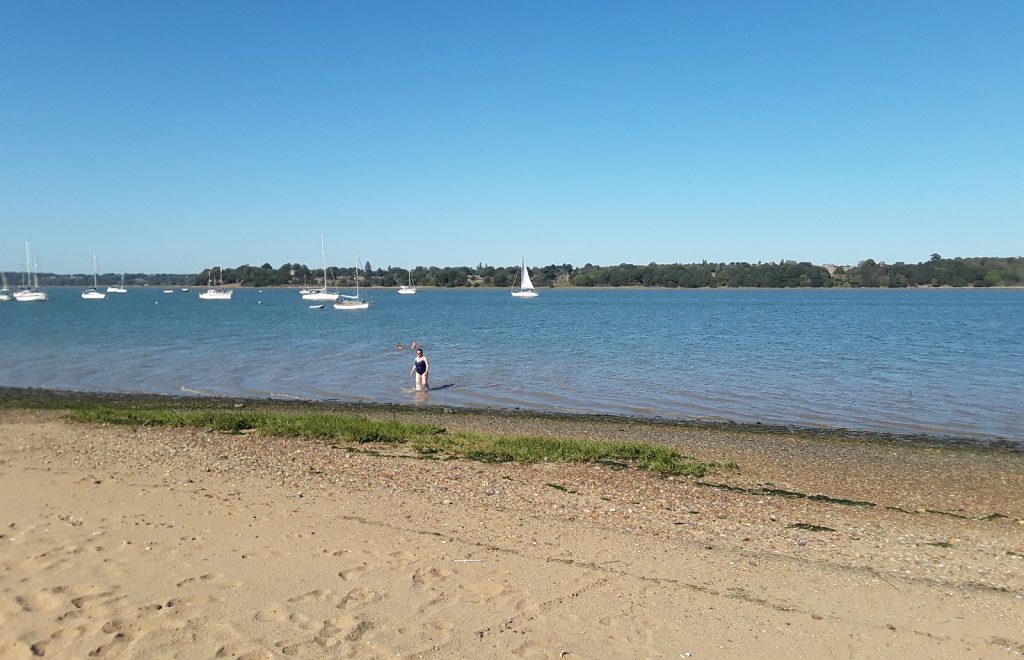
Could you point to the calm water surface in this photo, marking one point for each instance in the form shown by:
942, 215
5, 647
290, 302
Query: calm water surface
944, 362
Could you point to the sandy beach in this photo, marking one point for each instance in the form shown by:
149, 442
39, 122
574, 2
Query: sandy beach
142, 542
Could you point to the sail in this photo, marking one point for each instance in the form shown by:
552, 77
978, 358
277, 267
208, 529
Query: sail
527, 282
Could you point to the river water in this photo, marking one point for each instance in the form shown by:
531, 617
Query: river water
946, 362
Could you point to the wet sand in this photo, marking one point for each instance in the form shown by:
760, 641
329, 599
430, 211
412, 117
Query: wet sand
153, 542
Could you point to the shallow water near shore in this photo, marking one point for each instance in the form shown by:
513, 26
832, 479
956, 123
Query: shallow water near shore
937, 362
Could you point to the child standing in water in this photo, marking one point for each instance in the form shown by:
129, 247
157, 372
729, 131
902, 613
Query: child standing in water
421, 370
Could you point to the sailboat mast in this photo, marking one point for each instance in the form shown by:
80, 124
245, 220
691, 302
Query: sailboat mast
323, 258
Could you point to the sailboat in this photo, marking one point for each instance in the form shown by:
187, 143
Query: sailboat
117, 289
526, 289
216, 293
356, 301
5, 293
410, 289
30, 292
93, 293
322, 294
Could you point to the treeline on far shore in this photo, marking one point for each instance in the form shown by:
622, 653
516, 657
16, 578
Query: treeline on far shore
936, 272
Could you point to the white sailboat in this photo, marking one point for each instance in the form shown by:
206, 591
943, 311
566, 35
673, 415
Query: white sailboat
356, 301
525, 289
214, 293
113, 288
410, 289
94, 293
30, 291
322, 294
5, 293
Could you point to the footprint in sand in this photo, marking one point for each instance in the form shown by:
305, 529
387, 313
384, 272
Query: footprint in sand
486, 588
192, 601
357, 597
353, 573
214, 579
85, 602
127, 631
532, 649
320, 595
69, 633
39, 648
428, 574
152, 608
113, 646
401, 558
331, 633
46, 562
40, 601
301, 620
358, 631
274, 612
243, 651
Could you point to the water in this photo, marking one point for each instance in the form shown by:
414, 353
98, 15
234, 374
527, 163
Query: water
942, 362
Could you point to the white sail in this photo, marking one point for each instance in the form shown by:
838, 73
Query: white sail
527, 282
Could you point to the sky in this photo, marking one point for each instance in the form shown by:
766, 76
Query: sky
172, 136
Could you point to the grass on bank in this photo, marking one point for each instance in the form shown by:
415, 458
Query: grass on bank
426, 439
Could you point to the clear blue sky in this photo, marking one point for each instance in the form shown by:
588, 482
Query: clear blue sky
171, 136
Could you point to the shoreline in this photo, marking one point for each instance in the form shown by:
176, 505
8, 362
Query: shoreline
434, 287
145, 540
49, 397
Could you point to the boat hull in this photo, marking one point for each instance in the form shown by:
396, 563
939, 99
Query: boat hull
525, 294
93, 294
214, 294
320, 295
352, 305
30, 296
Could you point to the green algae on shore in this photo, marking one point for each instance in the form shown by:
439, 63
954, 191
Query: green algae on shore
427, 440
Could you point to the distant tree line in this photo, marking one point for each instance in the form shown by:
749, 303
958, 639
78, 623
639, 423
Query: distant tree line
958, 272
937, 271
974, 271
14, 280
